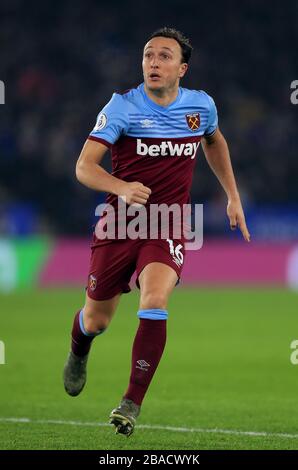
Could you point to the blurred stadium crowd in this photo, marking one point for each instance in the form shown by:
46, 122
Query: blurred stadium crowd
61, 62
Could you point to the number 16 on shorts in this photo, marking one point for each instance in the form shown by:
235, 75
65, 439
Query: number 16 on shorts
176, 252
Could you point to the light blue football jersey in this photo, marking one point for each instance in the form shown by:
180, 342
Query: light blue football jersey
153, 144
134, 114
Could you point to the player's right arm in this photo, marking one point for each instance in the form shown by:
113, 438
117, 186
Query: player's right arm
112, 122
91, 174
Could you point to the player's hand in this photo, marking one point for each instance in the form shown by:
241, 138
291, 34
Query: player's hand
237, 219
134, 193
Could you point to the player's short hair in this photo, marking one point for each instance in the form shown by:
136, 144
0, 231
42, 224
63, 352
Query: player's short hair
186, 47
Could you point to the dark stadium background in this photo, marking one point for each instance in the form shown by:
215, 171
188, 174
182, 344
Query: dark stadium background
60, 63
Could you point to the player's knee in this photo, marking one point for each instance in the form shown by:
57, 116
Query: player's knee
95, 321
153, 300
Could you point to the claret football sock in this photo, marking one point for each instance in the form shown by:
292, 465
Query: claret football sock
147, 350
80, 339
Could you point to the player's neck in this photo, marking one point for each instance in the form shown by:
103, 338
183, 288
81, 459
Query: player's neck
161, 97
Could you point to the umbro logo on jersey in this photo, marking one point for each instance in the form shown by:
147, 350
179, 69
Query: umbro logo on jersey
146, 123
167, 148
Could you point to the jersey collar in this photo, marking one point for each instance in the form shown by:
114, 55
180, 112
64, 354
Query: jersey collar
156, 106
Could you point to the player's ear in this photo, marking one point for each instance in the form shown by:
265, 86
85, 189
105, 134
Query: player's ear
183, 69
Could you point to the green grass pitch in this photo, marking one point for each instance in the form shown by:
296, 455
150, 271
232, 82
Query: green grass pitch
225, 380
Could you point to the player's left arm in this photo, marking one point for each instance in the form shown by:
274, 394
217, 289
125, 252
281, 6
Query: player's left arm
218, 157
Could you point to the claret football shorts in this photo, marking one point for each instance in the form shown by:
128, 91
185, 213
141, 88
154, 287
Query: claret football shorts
113, 263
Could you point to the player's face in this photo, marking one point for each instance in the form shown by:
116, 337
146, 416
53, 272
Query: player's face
162, 67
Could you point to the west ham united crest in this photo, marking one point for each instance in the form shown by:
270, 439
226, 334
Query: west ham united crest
92, 282
193, 121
